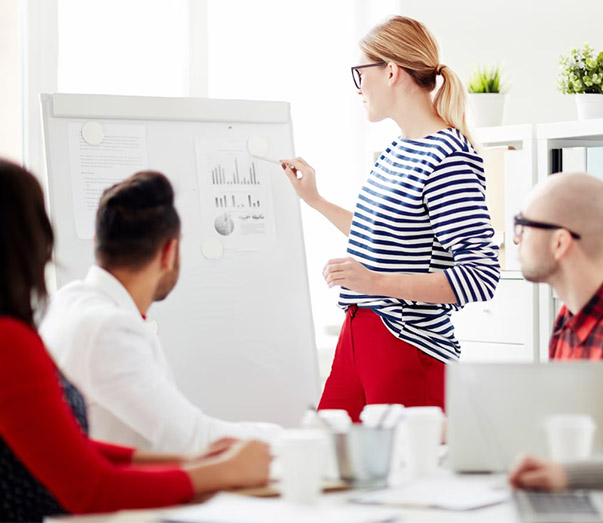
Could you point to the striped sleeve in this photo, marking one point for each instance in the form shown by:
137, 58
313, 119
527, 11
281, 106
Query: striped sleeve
585, 474
455, 199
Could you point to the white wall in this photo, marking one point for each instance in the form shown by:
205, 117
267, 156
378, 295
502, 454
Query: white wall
527, 36
10, 87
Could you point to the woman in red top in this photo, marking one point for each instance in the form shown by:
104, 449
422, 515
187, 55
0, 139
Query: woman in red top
47, 463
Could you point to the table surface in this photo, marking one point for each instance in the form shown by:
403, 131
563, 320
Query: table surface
500, 513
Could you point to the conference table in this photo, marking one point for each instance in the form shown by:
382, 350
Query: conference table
332, 506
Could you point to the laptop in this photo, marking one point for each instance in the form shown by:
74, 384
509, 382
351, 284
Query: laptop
497, 411
576, 506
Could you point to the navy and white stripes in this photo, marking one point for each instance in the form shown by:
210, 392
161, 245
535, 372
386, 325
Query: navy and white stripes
423, 209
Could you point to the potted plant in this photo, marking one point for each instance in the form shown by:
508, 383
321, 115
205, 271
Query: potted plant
486, 99
581, 73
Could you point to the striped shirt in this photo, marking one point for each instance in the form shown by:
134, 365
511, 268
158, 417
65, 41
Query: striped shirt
423, 209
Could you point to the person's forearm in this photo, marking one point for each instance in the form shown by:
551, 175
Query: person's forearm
211, 475
338, 216
585, 475
429, 288
148, 456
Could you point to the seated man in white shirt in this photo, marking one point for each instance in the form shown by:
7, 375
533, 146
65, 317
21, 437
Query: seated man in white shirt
97, 332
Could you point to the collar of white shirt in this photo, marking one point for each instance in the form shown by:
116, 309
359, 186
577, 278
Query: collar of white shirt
111, 287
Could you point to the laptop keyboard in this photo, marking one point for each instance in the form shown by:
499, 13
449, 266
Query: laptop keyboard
575, 502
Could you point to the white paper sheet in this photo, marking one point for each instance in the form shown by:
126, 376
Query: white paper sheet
442, 493
231, 508
236, 196
122, 152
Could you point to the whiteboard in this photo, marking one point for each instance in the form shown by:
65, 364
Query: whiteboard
237, 329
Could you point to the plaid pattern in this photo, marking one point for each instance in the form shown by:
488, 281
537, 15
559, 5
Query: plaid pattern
580, 336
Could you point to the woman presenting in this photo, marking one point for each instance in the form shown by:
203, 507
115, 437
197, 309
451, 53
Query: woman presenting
419, 240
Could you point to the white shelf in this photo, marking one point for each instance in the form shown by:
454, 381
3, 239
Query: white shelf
514, 135
584, 131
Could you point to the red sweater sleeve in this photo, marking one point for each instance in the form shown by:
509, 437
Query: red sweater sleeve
38, 426
114, 453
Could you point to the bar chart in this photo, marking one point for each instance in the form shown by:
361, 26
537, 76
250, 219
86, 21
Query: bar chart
228, 171
237, 200
236, 196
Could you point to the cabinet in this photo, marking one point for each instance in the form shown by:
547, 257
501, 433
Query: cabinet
500, 329
505, 328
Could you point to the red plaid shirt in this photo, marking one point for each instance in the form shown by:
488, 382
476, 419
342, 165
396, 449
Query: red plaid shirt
579, 336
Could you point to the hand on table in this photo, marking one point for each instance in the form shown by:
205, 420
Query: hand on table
535, 473
217, 447
250, 462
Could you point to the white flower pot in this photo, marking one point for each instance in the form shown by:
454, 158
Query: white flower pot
589, 106
486, 109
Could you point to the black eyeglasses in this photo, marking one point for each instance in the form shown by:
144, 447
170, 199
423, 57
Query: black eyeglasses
357, 75
519, 222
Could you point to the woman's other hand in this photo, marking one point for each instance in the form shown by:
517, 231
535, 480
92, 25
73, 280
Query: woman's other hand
351, 274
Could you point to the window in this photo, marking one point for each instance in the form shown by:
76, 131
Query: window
301, 52
127, 47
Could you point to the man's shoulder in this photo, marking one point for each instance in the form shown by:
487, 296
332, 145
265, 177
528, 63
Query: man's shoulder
79, 296
78, 307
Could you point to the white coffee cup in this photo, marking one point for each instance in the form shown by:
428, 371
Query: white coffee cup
570, 436
423, 435
337, 420
385, 415
331, 422
302, 456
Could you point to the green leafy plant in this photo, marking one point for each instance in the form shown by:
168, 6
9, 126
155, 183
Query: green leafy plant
485, 80
581, 71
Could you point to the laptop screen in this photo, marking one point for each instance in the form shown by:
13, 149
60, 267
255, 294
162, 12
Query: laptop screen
497, 411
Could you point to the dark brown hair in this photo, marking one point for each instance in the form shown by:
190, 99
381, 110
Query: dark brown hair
134, 219
26, 241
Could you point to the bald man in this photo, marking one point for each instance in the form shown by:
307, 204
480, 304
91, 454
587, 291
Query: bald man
560, 236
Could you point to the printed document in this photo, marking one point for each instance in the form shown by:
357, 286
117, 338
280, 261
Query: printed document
121, 153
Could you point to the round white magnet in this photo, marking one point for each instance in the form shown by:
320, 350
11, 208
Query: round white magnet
93, 133
212, 248
257, 146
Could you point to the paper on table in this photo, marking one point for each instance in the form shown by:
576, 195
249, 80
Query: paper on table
231, 508
442, 493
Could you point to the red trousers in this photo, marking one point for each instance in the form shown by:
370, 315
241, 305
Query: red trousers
371, 365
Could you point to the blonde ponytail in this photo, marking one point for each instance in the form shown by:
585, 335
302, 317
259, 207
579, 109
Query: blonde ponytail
409, 44
450, 102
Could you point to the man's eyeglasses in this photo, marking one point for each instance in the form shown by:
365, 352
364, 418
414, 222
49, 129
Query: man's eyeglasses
519, 222
357, 75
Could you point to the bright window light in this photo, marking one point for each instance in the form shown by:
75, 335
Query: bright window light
127, 47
